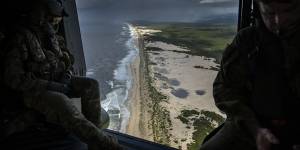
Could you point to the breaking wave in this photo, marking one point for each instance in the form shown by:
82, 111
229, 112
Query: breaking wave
116, 102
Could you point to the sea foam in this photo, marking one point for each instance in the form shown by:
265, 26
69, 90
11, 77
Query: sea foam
116, 102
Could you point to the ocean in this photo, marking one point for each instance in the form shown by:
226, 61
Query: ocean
113, 72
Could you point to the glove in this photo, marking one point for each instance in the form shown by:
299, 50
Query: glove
265, 139
59, 87
66, 78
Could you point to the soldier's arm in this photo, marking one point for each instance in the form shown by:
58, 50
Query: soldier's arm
67, 56
17, 78
230, 89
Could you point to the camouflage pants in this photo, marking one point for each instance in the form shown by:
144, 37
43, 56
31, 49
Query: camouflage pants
88, 90
59, 108
230, 137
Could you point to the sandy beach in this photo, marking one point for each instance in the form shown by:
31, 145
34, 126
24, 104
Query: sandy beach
185, 79
135, 103
139, 116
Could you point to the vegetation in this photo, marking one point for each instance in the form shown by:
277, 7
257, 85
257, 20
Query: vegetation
189, 113
208, 40
204, 122
153, 49
160, 121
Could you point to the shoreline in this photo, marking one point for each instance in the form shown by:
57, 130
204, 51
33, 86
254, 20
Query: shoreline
138, 112
134, 99
151, 119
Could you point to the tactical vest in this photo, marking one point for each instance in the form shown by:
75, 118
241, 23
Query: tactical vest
44, 56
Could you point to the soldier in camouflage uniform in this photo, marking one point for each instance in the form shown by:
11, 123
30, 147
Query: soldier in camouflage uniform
258, 86
39, 66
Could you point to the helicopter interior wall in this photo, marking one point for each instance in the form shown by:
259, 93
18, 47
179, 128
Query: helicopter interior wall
73, 37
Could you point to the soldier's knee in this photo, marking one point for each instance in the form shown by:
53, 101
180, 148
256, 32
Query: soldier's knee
86, 87
92, 83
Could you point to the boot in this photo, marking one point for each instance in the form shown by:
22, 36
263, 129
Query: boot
104, 119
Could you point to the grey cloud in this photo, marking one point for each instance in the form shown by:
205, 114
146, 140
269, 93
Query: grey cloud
159, 10
144, 3
214, 1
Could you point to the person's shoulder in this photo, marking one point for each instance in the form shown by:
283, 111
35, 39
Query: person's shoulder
242, 44
248, 30
246, 33
245, 37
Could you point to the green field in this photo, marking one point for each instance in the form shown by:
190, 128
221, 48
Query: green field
202, 40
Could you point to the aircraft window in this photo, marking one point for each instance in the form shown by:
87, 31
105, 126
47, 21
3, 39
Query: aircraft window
156, 62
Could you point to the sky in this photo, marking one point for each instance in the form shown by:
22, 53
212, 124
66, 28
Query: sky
155, 10
148, 3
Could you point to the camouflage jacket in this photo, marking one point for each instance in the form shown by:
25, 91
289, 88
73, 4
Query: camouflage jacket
34, 59
247, 86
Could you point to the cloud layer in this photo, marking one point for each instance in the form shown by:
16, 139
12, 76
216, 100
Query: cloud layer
155, 10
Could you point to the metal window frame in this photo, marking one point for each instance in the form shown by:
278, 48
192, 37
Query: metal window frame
245, 16
73, 37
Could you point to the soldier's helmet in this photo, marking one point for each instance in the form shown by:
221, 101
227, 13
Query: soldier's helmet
55, 8
47, 7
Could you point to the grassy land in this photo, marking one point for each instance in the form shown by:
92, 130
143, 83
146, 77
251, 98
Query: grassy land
206, 40
204, 122
160, 122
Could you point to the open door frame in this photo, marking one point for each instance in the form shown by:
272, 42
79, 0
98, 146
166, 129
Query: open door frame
73, 37
245, 14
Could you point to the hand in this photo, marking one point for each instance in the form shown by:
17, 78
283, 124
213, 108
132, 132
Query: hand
265, 138
66, 78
